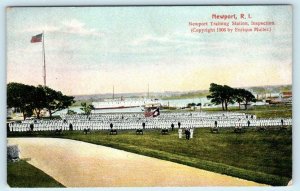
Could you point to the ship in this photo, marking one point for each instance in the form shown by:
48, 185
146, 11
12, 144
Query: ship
124, 103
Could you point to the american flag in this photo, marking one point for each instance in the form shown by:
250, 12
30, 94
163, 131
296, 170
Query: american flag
37, 38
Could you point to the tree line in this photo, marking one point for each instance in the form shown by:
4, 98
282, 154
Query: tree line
224, 95
30, 99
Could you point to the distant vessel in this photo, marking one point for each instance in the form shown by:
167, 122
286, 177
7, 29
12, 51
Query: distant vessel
122, 103
125, 103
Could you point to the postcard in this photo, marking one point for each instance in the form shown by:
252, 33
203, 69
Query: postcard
149, 96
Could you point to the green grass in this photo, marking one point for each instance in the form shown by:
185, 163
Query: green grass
22, 174
264, 111
272, 111
264, 157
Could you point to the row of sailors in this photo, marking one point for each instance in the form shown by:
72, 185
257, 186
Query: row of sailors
29, 121
112, 117
196, 114
150, 125
161, 118
197, 122
194, 121
201, 123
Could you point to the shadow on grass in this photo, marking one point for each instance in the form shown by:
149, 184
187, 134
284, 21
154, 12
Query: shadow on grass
23, 175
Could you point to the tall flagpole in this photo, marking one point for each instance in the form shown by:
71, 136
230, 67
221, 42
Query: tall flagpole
44, 57
113, 93
148, 91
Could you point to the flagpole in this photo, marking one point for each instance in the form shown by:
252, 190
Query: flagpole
113, 93
44, 57
148, 91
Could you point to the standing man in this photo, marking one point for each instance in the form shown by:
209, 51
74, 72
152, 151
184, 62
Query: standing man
31, 126
144, 124
179, 125
70, 127
111, 126
187, 134
172, 126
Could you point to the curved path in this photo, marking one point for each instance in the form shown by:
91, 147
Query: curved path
80, 164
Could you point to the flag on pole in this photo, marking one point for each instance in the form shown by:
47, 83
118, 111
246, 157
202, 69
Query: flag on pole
37, 38
152, 113
156, 112
148, 113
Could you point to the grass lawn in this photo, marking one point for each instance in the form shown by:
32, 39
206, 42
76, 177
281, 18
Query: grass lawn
263, 111
22, 174
271, 111
264, 157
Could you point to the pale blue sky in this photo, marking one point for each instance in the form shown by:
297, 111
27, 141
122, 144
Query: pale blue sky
88, 50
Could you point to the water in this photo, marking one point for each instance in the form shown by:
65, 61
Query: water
172, 103
124, 110
79, 111
64, 111
184, 102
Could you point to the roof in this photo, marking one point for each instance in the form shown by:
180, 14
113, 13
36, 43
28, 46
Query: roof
287, 94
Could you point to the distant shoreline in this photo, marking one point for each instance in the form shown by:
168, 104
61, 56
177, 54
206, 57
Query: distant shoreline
179, 94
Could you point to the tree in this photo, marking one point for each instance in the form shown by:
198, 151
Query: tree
56, 101
248, 97
242, 95
238, 96
225, 95
228, 95
87, 108
216, 94
221, 95
191, 105
71, 112
29, 98
21, 96
200, 104
40, 100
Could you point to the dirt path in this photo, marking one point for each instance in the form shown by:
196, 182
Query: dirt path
80, 164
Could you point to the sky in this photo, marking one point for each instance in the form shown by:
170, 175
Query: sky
91, 49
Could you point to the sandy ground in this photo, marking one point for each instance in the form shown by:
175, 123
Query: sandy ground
80, 164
